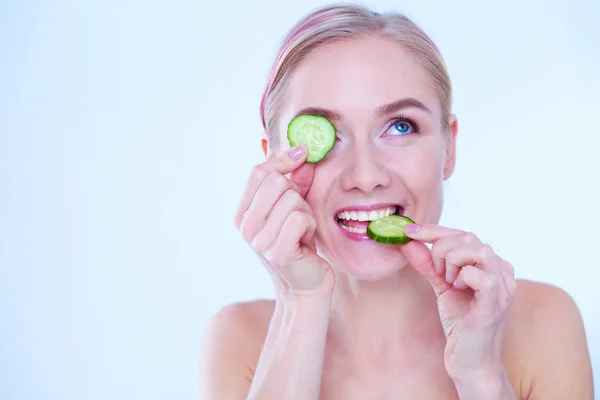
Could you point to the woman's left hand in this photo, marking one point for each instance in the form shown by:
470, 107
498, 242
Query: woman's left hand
474, 289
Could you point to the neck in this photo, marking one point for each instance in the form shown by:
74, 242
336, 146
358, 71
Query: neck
384, 316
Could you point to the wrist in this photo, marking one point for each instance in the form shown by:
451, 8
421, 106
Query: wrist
291, 307
304, 298
489, 384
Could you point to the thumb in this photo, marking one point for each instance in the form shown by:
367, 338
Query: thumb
303, 177
287, 162
419, 257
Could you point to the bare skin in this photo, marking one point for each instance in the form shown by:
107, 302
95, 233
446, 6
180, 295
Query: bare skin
355, 319
544, 353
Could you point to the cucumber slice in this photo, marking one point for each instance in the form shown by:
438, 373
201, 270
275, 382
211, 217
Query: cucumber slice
313, 131
389, 230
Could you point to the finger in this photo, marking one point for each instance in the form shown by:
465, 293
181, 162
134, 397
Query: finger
440, 249
303, 177
485, 285
286, 248
419, 257
308, 238
458, 283
270, 193
429, 233
482, 257
282, 164
267, 195
290, 201
470, 277
478, 255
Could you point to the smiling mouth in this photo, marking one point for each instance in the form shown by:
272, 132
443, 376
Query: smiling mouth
356, 221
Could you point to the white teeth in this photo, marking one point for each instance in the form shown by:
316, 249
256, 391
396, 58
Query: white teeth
366, 215
354, 230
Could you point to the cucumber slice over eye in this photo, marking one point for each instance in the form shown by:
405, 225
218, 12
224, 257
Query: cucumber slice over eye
313, 131
389, 230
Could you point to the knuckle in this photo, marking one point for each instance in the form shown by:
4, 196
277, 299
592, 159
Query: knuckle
279, 182
297, 201
259, 244
246, 232
457, 268
486, 251
297, 218
288, 197
469, 237
311, 221
272, 178
451, 258
490, 283
259, 171
271, 257
436, 250
292, 195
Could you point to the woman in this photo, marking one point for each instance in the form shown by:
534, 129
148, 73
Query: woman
352, 318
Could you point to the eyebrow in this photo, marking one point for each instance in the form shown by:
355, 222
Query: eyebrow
322, 112
399, 105
380, 111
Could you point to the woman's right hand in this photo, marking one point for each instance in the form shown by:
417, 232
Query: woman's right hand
277, 222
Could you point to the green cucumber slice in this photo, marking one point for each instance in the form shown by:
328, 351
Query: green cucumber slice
389, 230
313, 131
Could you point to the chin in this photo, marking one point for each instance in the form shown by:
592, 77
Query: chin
370, 263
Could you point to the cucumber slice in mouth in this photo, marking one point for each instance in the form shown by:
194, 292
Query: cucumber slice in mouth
389, 230
315, 132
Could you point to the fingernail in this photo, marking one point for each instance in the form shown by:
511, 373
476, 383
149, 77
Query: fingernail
411, 228
296, 152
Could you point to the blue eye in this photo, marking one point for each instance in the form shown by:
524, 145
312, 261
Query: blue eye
400, 128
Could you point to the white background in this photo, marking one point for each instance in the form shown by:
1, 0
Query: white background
127, 130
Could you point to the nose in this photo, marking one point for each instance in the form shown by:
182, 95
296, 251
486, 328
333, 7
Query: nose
365, 172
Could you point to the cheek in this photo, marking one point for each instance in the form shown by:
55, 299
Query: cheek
422, 169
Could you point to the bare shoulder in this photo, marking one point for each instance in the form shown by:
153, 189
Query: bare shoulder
546, 345
231, 347
544, 304
250, 318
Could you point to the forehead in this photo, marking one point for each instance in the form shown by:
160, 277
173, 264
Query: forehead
356, 76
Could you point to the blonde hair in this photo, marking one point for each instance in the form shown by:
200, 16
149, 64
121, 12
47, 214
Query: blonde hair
345, 21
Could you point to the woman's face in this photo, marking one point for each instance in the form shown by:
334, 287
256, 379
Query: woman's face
390, 153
